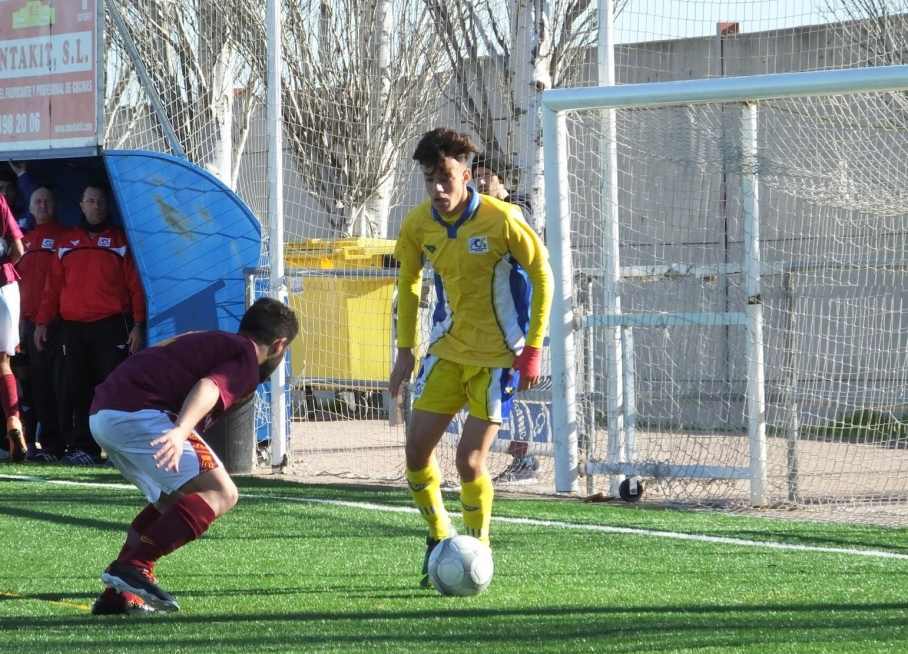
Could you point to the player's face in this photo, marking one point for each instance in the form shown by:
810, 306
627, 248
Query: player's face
9, 191
94, 206
487, 181
42, 206
446, 185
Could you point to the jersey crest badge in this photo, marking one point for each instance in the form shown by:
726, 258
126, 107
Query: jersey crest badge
48, 244
479, 245
104, 242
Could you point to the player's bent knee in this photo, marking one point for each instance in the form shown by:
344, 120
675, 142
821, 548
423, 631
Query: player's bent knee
417, 454
469, 464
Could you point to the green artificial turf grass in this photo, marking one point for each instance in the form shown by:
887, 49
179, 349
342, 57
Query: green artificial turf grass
283, 575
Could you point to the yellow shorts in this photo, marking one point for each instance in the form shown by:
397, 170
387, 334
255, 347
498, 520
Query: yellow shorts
444, 387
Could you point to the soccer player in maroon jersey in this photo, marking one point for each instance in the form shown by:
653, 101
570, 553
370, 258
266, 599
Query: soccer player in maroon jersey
11, 246
148, 416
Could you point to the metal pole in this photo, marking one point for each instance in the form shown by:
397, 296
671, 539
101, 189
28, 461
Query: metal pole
147, 86
608, 156
791, 389
561, 327
731, 89
274, 166
756, 401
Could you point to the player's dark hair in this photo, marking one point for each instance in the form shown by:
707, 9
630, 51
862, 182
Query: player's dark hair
268, 320
104, 187
443, 142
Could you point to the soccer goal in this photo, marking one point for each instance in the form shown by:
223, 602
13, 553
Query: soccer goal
731, 261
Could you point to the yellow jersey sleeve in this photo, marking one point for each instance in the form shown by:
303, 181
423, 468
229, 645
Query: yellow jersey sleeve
525, 246
408, 252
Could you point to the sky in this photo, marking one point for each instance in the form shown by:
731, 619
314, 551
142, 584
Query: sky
656, 20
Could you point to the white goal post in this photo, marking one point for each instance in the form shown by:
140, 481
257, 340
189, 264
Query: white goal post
581, 151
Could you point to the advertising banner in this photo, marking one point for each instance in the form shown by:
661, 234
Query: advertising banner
49, 75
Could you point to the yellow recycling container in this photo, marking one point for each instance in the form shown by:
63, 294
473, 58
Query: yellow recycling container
342, 291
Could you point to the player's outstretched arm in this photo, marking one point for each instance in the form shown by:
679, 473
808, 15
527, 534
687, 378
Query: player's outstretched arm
201, 400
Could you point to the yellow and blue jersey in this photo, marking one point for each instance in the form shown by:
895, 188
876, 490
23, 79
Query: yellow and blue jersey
483, 259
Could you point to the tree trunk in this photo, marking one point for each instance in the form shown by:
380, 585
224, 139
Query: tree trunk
529, 68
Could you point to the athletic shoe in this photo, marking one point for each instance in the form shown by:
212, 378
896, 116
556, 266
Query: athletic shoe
140, 582
110, 602
42, 457
17, 447
80, 458
520, 471
431, 544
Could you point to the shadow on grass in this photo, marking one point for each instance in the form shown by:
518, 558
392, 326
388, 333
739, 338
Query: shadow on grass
46, 516
445, 623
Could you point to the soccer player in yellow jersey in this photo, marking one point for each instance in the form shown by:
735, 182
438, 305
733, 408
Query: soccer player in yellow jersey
488, 328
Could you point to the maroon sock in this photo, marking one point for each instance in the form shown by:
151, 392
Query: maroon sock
183, 521
147, 517
9, 396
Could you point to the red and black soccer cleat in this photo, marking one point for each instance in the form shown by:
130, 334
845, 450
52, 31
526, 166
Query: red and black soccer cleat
140, 582
110, 602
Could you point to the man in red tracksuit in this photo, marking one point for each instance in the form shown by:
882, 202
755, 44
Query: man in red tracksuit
46, 368
94, 287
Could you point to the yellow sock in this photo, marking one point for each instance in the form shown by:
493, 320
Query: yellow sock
425, 489
476, 502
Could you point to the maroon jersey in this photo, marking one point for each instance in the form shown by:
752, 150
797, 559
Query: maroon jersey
10, 231
161, 377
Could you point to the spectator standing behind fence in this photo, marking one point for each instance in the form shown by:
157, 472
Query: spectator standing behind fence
490, 175
10, 251
94, 287
47, 372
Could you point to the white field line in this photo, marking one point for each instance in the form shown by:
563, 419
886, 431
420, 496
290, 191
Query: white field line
881, 554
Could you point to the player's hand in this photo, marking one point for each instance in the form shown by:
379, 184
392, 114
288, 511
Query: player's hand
403, 369
40, 336
527, 364
136, 339
170, 448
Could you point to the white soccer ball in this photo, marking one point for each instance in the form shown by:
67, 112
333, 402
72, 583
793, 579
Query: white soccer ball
461, 566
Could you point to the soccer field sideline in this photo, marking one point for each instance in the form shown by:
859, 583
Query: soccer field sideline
882, 554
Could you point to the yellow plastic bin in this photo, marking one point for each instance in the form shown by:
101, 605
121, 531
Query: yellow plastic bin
342, 291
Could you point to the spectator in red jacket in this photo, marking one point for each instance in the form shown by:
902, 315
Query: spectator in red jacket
46, 368
94, 287
10, 251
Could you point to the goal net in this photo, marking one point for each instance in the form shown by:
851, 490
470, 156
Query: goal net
738, 274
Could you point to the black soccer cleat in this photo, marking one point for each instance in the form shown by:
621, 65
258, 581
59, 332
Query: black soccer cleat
17, 446
139, 582
112, 602
431, 544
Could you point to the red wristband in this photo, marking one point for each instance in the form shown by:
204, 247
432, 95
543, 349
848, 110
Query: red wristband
527, 362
